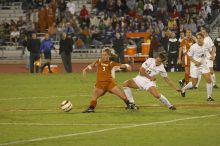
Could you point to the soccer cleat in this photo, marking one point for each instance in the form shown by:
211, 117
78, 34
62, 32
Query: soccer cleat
89, 110
215, 86
183, 93
173, 108
181, 83
210, 99
132, 106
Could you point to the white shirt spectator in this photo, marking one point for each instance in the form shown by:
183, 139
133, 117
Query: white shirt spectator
71, 7
148, 6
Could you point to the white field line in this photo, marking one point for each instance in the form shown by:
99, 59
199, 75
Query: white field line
41, 97
103, 130
73, 124
87, 124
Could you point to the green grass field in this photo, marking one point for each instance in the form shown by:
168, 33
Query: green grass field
30, 114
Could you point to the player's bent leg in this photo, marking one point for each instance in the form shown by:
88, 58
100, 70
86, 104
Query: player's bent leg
213, 78
127, 85
154, 91
95, 95
187, 74
118, 92
209, 86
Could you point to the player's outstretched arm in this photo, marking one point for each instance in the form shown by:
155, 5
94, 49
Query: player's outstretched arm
170, 83
89, 67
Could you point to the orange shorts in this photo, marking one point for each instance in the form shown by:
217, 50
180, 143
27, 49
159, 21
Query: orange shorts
105, 85
186, 61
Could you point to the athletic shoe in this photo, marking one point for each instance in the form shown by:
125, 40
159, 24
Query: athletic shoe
181, 83
89, 110
132, 106
173, 108
183, 94
210, 99
215, 86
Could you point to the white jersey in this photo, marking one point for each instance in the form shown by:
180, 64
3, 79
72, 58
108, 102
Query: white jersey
198, 53
150, 67
208, 43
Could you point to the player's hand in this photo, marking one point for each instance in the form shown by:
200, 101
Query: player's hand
179, 61
152, 78
128, 67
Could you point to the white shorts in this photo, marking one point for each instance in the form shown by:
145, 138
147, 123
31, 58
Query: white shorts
143, 82
195, 71
209, 63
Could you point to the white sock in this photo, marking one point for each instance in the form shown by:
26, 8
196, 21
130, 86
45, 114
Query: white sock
213, 78
198, 82
165, 101
188, 86
129, 95
209, 89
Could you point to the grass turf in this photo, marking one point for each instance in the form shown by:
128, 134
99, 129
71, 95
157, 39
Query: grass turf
29, 109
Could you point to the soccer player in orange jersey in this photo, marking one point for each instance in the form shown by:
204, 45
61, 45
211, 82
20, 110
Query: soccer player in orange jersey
105, 82
183, 58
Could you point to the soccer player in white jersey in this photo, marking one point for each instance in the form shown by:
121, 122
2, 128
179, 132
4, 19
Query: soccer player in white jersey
210, 58
146, 80
198, 66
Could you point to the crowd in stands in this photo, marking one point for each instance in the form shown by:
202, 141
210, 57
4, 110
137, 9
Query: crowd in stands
97, 26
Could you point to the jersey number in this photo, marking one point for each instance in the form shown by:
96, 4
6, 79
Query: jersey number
103, 68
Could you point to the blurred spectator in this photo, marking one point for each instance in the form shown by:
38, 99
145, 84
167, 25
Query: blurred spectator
42, 20
46, 46
66, 47
173, 47
14, 35
101, 6
50, 17
83, 12
33, 46
20, 22
217, 45
79, 44
94, 21
154, 45
69, 29
52, 31
71, 7
34, 18
207, 11
118, 45
61, 9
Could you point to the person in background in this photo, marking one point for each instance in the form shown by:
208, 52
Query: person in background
118, 45
66, 47
217, 45
173, 47
33, 46
46, 47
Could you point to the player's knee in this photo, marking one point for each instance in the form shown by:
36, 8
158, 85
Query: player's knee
126, 83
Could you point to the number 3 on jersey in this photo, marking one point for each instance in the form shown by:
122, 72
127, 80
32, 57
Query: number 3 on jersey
103, 68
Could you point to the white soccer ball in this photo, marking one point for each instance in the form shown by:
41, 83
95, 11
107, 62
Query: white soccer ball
66, 106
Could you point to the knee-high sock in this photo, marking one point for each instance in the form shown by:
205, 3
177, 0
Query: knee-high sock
213, 78
48, 64
128, 94
209, 89
165, 101
188, 86
198, 82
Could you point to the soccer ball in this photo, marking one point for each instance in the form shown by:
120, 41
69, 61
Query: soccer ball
66, 106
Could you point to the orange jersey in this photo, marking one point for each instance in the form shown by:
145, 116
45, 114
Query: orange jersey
104, 70
186, 43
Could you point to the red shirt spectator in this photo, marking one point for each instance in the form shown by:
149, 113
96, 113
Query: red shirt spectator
84, 12
175, 14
